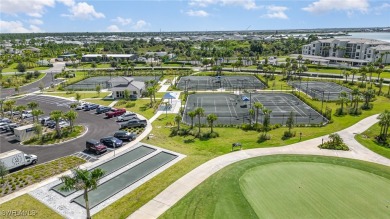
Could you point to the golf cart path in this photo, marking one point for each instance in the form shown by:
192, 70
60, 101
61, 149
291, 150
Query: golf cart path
171, 195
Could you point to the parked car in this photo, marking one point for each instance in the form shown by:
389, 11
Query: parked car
27, 114
5, 120
52, 124
103, 109
3, 125
63, 124
126, 117
115, 112
91, 107
125, 136
95, 146
134, 123
81, 106
10, 127
111, 141
45, 120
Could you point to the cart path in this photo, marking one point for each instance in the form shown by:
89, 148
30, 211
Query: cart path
172, 194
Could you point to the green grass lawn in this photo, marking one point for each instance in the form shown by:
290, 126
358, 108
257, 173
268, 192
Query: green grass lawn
28, 204
20, 80
141, 107
367, 138
290, 186
12, 68
200, 151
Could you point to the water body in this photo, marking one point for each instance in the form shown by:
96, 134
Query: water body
385, 36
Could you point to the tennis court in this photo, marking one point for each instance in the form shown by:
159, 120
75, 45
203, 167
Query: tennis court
195, 83
113, 165
327, 91
91, 83
234, 109
125, 179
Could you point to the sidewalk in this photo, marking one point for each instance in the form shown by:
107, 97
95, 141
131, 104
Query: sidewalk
171, 195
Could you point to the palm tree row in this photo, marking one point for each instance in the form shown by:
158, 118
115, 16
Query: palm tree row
384, 123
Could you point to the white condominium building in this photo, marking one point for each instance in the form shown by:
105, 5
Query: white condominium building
368, 50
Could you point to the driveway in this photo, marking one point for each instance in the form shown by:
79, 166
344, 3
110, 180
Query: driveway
97, 125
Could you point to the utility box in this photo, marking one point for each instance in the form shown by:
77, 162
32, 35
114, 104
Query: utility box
24, 133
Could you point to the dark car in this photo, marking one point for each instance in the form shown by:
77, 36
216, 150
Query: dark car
103, 109
10, 127
125, 136
111, 142
91, 107
95, 146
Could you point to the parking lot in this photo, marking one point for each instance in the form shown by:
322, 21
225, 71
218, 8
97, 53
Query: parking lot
98, 126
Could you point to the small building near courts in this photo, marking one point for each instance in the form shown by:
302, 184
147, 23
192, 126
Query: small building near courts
118, 85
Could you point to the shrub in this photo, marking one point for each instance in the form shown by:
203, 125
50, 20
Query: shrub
264, 137
288, 134
129, 105
335, 143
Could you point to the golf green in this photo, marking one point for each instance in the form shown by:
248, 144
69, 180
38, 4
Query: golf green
290, 186
315, 190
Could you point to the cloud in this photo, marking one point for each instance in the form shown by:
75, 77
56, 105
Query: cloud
140, 24
114, 28
322, 6
84, 11
17, 27
276, 12
67, 2
247, 4
378, 10
122, 21
35, 21
33, 8
199, 13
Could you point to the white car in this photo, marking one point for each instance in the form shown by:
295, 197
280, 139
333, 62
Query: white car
27, 114
63, 124
81, 106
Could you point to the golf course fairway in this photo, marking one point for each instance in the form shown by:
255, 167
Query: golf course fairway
290, 186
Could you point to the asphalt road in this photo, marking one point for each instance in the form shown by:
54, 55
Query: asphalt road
97, 125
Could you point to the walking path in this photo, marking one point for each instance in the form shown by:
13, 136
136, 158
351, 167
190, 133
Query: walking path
177, 190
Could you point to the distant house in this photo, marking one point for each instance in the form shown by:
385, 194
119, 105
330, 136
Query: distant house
118, 85
32, 49
66, 56
107, 57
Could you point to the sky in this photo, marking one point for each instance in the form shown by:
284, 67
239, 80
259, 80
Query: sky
22, 16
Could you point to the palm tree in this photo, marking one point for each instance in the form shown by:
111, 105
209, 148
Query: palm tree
178, 120
71, 116
82, 180
368, 95
192, 115
384, 123
150, 90
36, 113
346, 75
200, 113
38, 129
257, 106
379, 72
251, 112
1, 107
343, 98
267, 119
353, 72
78, 97
380, 86
9, 105
371, 69
56, 115
32, 105
211, 118
20, 109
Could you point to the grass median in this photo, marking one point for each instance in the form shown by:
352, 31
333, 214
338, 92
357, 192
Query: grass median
367, 139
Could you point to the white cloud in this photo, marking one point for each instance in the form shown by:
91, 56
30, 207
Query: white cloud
67, 2
378, 10
322, 6
35, 21
199, 13
276, 12
247, 4
83, 10
114, 28
140, 25
34, 8
122, 21
17, 27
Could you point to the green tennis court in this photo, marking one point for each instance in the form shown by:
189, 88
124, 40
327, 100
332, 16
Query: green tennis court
114, 164
125, 179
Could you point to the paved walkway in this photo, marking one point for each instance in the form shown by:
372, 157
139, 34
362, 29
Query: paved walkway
177, 190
